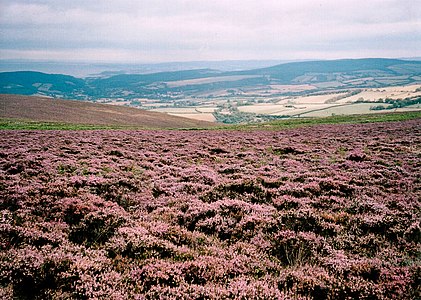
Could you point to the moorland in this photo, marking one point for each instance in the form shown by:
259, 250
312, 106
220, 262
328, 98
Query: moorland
115, 202
318, 212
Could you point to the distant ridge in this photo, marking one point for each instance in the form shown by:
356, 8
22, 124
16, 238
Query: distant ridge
288, 71
339, 65
193, 82
30, 83
80, 112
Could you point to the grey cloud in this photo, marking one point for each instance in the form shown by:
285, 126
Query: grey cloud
197, 29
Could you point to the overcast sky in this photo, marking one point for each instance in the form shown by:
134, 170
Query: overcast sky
190, 30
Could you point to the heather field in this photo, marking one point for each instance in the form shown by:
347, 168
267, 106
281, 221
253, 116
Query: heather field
319, 212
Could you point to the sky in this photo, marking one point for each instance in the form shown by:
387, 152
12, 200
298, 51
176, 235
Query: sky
151, 31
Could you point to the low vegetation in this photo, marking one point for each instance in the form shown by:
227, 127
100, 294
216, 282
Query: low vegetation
345, 119
250, 122
323, 212
21, 112
397, 103
19, 124
94, 206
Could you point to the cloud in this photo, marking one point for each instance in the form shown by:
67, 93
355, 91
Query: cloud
162, 30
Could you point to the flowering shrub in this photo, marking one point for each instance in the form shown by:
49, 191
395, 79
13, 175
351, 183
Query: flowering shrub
327, 212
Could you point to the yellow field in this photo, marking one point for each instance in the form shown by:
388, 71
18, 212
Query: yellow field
394, 92
172, 84
318, 99
302, 109
262, 108
206, 109
177, 110
335, 103
200, 117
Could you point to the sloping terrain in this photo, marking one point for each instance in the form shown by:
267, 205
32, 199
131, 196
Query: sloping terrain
298, 89
78, 112
290, 71
323, 212
167, 86
31, 83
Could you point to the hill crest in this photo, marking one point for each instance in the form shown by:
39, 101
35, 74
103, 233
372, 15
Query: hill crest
79, 112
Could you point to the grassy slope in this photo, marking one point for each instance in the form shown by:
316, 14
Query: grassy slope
24, 112
349, 119
19, 124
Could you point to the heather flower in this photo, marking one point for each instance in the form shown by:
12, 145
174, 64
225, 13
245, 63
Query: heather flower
327, 212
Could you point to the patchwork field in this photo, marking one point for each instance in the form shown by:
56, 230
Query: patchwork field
399, 92
321, 212
207, 80
311, 104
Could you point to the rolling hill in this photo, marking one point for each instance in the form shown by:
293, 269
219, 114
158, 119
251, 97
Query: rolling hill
80, 112
344, 74
288, 89
289, 73
31, 83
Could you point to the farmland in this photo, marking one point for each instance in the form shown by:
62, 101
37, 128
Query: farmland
320, 212
289, 90
310, 104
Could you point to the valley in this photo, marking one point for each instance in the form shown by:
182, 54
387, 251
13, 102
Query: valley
288, 90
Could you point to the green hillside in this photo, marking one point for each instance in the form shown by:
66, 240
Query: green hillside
31, 83
289, 71
169, 86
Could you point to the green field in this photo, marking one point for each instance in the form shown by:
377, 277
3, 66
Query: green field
18, 124
345, 119
15, 124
